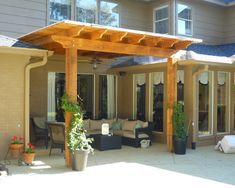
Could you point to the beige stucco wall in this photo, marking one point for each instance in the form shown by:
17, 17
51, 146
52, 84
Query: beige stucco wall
11, 98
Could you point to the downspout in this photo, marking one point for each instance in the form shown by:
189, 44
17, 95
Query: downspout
195, 117
27, 92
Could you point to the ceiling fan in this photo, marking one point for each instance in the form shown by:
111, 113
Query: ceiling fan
95, 61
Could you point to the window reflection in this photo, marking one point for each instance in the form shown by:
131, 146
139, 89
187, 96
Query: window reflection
158, 93
109, 14
86, 11
60, 10
140, 102
204, 97
222, 104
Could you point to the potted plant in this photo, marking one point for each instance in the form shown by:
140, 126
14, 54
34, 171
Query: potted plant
179, 129
29, 154
16, 146
77, 142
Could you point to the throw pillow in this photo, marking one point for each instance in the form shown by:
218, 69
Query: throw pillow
96, 124
116, 125
109, 121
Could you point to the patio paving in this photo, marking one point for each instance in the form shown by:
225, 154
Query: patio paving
129, 167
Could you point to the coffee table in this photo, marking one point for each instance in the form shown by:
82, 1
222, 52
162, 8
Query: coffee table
106, 142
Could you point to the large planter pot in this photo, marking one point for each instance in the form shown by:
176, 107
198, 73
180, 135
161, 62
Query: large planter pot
79, 159
180, 145
16, 150
28, 157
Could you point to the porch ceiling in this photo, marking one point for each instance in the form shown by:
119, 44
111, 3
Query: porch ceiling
105, 41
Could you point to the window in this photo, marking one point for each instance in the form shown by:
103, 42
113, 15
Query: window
106, 96
204, 103
56, 88
161, 20
222, 102
60, 10
109, 14
158, 100
140, 86
86, 11
184, 20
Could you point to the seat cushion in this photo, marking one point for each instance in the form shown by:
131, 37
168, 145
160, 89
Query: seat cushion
130, 134
129, 125
93, 132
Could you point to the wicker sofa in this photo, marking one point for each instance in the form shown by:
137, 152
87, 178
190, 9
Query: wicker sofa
132, 132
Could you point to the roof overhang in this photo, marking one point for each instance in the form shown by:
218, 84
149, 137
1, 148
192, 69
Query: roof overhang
105, 41
25, 51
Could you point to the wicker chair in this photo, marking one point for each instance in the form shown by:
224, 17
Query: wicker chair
40, 130
57, 135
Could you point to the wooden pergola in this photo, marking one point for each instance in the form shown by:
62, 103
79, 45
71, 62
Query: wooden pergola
76, 38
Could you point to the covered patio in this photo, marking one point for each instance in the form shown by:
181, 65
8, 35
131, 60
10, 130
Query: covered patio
131, 167
75, 39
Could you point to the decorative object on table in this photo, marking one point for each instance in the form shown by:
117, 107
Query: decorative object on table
29, 154
105, 129
179, 129
16, 146
77, 142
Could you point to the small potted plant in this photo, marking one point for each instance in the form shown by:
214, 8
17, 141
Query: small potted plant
29, 154
179, 129
77, 142
16, 146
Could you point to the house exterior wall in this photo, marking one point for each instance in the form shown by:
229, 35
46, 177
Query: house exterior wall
22, 16
11, 99
230, 25
208, 21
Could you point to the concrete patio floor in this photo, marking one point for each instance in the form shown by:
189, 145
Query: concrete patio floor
129, 167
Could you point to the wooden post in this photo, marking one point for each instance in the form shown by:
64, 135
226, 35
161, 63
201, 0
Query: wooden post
71, 90
171, 96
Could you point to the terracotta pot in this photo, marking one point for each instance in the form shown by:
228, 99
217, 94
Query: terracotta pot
16, 150
28, 157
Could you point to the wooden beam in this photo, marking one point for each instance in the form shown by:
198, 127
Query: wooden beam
167, 43
171, 97
71, 90
182, 45
98, 35
111, 47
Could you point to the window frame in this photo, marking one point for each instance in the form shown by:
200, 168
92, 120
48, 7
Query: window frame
155, 21
177, 18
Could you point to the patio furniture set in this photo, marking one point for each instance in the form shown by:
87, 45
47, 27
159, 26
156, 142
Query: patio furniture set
121, 132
